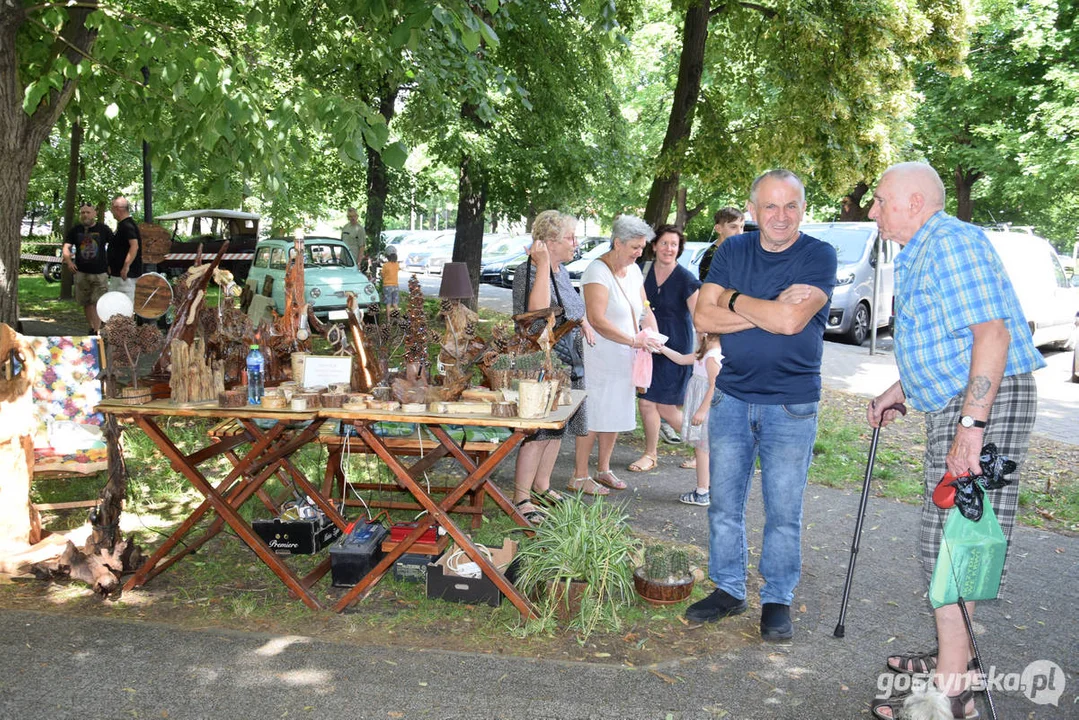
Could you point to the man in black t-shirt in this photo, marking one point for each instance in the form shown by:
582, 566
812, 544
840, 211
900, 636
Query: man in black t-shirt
84, 253
125, 250
729, 221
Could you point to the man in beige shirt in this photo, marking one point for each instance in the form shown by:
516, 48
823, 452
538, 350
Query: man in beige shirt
354, 236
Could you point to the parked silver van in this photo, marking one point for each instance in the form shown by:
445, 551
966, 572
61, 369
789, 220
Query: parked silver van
856, 246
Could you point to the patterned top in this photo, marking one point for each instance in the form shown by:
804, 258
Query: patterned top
948, 278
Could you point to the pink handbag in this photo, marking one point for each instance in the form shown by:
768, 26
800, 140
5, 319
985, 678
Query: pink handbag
642, 369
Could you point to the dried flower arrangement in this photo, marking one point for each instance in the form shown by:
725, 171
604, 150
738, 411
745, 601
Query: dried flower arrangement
125, 342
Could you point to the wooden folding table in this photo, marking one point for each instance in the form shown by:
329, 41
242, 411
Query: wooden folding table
267, 455
477, 478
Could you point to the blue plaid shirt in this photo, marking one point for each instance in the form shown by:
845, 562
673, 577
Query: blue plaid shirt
948, 278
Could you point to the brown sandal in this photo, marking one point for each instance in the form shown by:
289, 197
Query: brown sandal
644, 463
587, 486
611, 480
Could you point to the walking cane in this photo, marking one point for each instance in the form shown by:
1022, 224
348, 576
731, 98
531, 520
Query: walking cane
840, 628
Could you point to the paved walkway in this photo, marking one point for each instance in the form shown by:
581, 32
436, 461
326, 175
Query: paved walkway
59, 667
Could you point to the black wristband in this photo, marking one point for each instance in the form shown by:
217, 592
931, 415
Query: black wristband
730, 303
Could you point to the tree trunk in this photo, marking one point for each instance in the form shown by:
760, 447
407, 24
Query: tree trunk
67, 280
851, 209
964, 183
471, 204
378, 180
686, 92
683, 214
21, 135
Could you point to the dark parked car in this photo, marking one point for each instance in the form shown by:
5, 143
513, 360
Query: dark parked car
239, 228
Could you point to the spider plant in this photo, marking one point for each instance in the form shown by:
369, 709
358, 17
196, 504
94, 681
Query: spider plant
587, 543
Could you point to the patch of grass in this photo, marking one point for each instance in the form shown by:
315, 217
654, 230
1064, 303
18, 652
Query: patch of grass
40, 300
841, 452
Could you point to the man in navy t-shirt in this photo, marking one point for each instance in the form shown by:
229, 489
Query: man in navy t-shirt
767, 293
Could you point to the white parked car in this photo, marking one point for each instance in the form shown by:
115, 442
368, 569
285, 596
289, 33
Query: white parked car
1050, 301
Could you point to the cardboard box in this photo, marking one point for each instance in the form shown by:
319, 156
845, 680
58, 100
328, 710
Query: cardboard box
297, 537
446, 585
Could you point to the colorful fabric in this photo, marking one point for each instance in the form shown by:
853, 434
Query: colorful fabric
69, 389
948, 278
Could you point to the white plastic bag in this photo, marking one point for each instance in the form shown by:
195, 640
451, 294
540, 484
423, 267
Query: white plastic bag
67, 437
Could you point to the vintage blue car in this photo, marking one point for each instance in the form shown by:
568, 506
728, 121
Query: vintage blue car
330, 273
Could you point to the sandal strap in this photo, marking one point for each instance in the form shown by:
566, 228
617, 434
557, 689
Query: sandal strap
959, 704
916, 663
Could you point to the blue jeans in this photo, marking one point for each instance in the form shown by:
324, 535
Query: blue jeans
782, 437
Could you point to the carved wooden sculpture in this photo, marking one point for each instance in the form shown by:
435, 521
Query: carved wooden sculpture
189, 298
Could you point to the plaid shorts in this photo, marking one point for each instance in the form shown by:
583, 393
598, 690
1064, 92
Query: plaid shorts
1009, 425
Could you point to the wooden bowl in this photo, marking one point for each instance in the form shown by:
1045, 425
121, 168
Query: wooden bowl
313, 400
274, 402
658, 593
332, 400
232, 398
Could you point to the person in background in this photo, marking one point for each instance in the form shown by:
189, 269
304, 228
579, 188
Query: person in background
355, 237
390, 289
729, 221
966, 359
767, 294
706, 362
84, 254
125, 250
614, 300
671, 290
542, 281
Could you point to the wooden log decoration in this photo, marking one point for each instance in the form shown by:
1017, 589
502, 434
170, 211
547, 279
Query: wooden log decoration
107, 555
294, 293
183, 327
365, 371
194, 378
18, 520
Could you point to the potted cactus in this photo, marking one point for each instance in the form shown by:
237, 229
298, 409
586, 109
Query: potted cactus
665, 576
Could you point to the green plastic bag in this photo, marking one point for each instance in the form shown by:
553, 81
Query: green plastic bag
972, 553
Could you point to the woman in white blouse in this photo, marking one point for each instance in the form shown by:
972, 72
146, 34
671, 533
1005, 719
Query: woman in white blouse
617, 309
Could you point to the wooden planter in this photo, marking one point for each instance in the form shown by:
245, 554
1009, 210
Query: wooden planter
566, 606
661, 593
135, 396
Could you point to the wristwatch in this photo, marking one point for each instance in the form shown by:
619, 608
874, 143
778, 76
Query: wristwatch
968, 421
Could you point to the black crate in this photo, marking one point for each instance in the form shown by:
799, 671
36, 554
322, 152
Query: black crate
297, 537
359, 551
443, 584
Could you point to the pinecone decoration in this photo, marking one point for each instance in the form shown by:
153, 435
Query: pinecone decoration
415, 328
444, 306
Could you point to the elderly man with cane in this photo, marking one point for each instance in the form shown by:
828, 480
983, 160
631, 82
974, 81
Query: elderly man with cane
966, 359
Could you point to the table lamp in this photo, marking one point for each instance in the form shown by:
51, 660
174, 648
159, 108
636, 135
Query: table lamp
456, 284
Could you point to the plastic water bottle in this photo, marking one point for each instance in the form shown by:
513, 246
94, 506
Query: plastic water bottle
254, 376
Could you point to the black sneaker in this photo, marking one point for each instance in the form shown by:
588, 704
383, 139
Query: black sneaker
719, 604
776, 622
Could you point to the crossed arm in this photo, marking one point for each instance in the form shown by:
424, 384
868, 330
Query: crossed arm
788, 314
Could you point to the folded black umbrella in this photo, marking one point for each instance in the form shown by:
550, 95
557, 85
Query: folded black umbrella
968, 492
